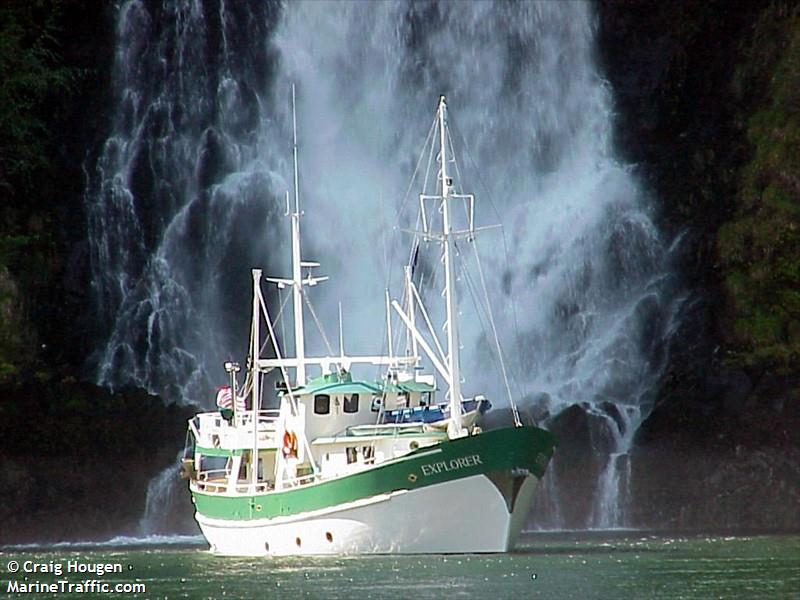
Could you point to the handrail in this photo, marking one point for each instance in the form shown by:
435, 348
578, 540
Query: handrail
215, 472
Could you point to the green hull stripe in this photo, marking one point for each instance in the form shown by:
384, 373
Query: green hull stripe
492, 451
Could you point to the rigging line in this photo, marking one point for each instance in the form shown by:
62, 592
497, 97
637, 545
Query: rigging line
429, 324
318, 323
470, 285
389, 256
518, 337
280, 312
408, 194
428, 166
496, 337
285, 374
431, 155
488, 305
428, 143
458, 172
278, 318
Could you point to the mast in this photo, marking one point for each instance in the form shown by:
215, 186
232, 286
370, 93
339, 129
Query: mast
297, 274
451, 324
256, 343
297, 282
411, 341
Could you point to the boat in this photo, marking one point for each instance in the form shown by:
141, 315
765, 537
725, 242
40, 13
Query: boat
349, 465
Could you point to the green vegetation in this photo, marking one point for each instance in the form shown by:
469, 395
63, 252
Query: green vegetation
759, 248
31, 74
44, 81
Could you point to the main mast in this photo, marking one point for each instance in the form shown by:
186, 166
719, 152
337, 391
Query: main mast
449, 283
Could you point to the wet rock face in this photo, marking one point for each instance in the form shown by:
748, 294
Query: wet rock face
729, 463
80, 470
17, 336
582, 430
703, 94
739, 489
568, 497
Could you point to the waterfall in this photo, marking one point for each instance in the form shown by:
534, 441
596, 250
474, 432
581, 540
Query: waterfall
160, 499
187, 195
183, 193
579, 253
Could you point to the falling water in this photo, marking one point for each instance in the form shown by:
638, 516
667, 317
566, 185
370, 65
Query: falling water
160, 499
181, 198
186, 195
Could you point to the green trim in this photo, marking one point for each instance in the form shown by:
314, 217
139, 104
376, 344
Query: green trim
356, 439
347, 387
499, 450
405, 386
342, 383
219, 451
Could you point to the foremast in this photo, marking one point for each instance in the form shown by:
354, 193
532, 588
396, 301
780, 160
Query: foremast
297, 267
296, 282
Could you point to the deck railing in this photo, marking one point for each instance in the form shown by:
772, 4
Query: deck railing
209, 481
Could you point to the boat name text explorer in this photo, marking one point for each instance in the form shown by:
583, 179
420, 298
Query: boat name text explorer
452, 465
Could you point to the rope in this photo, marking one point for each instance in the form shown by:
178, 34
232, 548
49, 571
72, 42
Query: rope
319, 325
285, 379
277, 318
489, 313
517, 336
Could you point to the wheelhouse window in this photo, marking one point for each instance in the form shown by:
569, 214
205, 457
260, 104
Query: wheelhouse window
368, 452
322, 404
351, 404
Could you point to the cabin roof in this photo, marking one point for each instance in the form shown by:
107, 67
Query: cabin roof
347, 387
407, 386
342, 383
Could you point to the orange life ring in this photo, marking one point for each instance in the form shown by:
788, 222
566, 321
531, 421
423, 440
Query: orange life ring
289, 444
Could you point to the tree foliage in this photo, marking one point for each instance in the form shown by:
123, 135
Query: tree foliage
759, 248
31, 78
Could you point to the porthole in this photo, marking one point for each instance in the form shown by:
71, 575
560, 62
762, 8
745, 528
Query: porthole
297, 541
258, 507
412, 477
329, 536
414, 445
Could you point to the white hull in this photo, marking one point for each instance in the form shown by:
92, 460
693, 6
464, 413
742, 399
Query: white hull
406, 522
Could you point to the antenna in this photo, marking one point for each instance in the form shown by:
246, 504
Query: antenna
341, 336
294, 136
389, 325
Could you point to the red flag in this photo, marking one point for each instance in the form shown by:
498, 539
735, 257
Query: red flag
224, 397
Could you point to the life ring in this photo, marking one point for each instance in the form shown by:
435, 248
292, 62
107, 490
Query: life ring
289, 444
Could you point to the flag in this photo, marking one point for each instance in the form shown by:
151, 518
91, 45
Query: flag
224, 397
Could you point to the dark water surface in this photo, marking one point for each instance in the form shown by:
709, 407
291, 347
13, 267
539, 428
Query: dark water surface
583, 565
